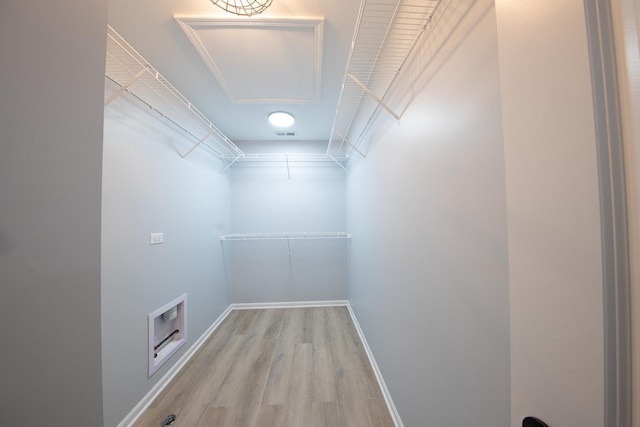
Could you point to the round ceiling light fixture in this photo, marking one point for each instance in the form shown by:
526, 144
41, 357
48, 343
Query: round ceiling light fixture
281, 119
243, 7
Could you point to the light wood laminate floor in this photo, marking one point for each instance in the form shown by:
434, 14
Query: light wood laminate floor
294, 367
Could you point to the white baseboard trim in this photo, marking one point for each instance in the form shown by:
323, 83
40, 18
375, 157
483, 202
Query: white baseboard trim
296, 304
166, 379
376, 370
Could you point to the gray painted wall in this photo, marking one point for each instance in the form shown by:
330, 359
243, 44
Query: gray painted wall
427, 209
50, 175
148, 187
555, 257
263, 200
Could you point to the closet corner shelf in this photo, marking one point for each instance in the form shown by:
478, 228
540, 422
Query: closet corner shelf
286, 236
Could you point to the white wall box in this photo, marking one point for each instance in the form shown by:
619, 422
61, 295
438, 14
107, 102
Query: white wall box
167, 332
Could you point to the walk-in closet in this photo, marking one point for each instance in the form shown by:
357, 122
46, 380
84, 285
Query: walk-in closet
441, 235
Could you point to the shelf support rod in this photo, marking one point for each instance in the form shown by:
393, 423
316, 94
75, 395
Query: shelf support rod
345, 139
374, 96
184, 156
288, 171
124, 87
231, 162
337, 162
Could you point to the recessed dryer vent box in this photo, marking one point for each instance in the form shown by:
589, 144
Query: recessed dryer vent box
167, 332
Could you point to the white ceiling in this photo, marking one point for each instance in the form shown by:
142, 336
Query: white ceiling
236, 70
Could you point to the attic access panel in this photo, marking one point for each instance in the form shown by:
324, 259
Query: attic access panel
243, 54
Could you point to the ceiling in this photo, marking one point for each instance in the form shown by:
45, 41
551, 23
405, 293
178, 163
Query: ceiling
237, 70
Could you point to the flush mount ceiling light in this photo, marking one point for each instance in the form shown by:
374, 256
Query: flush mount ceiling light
281, 119
243, 7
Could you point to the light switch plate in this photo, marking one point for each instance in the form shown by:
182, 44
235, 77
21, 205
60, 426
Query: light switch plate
156, 238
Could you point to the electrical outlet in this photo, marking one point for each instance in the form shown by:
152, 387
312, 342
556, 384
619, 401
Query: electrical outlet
156, 238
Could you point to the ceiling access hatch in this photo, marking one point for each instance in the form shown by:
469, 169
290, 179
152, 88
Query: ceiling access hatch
261, 60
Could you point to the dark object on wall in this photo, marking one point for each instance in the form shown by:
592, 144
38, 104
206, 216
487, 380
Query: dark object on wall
533, 422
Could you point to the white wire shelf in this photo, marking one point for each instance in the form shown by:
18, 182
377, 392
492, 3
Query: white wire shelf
284, 157
287, 159
287, 236
134, 75
386, 34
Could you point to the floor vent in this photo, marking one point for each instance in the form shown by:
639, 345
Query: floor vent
168, 420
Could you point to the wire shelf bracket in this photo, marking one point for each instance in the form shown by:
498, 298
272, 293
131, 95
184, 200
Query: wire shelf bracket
368, 91
345, 139
235, 159
184, 156
124, 87
337, 162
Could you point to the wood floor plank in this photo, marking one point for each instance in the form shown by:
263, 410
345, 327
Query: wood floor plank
276, 368
271, 416
279, 380
324, 414
323, 376
300, 390
213, 417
